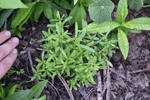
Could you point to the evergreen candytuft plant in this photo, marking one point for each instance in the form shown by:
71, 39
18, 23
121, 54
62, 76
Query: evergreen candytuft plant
124, 28
76, 56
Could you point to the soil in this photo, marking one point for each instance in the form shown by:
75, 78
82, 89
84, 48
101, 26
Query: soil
127, 80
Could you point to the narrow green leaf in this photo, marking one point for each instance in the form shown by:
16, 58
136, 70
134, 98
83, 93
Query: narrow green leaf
123, 43
12, 90
101, 11
102, 28
76, 30
93, 60
36, 90
109, 63
63, 52
67, 19
29, 16
122, 11
4, 16
91, 79
11, 4
138, 23
42, 98
21, 95
22, 14
87, 48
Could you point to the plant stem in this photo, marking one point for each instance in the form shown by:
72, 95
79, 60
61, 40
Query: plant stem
146, 6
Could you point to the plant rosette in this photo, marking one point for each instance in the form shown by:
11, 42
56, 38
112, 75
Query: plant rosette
77, 56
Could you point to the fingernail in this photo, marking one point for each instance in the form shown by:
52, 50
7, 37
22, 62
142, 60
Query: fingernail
7, 33
15, 40
14, 51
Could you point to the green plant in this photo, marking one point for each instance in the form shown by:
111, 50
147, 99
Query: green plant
14, 92
11, 72
77, 56
124, 28
29, 10
34, 9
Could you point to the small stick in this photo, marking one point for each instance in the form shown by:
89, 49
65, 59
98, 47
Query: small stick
146, 69
54, 88
99, 87
89, 93
30, 60
108, 83
67, 88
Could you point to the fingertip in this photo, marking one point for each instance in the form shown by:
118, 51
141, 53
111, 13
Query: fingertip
14, 51
7, 33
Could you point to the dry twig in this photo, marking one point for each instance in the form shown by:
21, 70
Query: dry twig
67, 88
99, 87
54, 88
30, 60
146, 69
108, 83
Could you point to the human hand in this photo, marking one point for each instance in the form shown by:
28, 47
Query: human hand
8, 53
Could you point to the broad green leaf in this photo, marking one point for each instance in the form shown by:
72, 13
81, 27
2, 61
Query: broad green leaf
4, 16
55, 7
88, 2
65, 4
21, 95
75, 1
73, 13
78, 13
122, 11
26, 1
102, 28
39, 7
135, 4
123, 43
87, 48
138, 23
22, 15
11, 4
101, 11
48, 12
148, 1
37, 89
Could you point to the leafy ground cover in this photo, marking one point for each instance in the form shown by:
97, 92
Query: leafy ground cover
126, 80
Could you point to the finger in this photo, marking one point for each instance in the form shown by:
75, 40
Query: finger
4, 36
6, 48
7, 62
